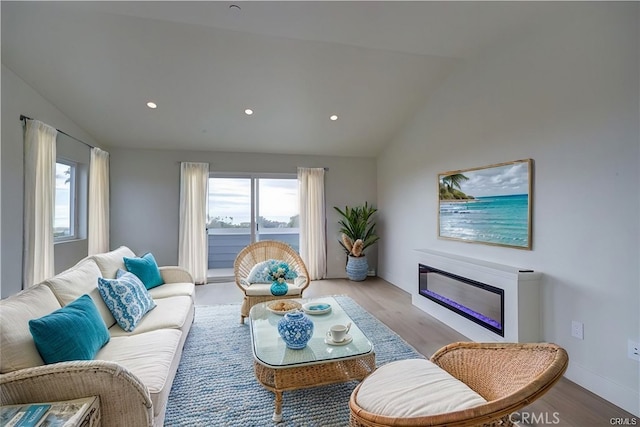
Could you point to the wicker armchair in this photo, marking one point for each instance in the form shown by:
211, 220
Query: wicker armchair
509, 376
263, 251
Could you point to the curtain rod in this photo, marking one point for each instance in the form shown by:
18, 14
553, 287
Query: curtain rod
190, 161
24, 118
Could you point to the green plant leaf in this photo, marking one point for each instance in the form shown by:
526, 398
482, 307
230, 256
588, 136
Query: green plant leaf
357, 223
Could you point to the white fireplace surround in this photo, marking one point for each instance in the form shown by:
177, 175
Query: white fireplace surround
522, 321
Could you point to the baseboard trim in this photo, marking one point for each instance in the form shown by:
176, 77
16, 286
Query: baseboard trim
624, 397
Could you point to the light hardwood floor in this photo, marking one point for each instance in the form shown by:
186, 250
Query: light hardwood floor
566, 404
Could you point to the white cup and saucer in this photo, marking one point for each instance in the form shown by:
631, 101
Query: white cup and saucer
338, 335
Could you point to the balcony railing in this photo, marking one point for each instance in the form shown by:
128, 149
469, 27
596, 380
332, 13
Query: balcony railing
226, 243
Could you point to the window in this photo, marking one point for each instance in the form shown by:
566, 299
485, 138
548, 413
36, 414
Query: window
248, 208
64, 222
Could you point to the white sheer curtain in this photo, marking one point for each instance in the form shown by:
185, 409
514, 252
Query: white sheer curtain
313, 241
192, 243
98, 235
39, 202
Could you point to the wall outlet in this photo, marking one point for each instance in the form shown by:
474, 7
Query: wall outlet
577, 329
633, 350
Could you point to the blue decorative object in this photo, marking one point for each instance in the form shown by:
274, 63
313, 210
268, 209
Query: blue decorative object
146, 268
126, 297
270, 270
279, 288
357, 268
73, 332
296, 329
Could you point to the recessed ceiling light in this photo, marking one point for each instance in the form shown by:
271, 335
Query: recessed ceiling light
234, 7
152, 105
334, 117
248, 111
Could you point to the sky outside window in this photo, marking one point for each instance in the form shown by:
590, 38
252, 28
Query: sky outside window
62, 215
230, 199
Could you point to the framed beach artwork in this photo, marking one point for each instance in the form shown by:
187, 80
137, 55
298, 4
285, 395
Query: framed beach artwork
489, 205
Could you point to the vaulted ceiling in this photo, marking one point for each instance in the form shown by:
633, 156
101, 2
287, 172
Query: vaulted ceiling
373, 64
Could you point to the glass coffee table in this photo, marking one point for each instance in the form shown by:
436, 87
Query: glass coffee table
279, 368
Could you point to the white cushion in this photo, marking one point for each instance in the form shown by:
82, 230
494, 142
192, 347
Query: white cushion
170, 313
110, 262
173, 290
17, 349
260, 289
414, 388
148, 356
80, 279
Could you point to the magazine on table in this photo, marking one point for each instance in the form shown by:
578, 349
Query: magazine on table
57, 414
23, 416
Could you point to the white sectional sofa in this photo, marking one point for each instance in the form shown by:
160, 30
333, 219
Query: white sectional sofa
132, 374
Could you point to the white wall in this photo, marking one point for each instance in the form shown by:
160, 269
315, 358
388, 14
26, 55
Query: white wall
145, 194
566, 96
19, 98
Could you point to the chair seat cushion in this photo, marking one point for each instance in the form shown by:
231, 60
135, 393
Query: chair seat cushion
260, 289
414, 388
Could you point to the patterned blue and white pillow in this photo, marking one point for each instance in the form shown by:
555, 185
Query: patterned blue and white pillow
260, 273
127, 298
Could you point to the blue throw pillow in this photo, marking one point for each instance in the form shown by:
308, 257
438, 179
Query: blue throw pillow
146, 268
73, 332
127, 298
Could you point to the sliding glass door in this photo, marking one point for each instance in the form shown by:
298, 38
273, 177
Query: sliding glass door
248, 208
229, 219
278, 213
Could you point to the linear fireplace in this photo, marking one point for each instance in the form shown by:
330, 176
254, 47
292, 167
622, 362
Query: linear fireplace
482, 300
479, 302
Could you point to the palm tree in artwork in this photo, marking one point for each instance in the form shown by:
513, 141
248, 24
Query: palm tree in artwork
454, 180
448, 184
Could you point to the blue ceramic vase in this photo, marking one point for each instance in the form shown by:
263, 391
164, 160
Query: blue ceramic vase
357, 268
296, 329
278, 288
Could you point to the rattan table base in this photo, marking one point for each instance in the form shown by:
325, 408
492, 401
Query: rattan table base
312, 375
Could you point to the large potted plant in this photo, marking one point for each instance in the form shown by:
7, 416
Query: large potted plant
357, 233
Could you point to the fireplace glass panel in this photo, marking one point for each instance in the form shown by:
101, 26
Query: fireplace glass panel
478, 302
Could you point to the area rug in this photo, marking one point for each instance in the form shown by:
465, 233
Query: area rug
215, 384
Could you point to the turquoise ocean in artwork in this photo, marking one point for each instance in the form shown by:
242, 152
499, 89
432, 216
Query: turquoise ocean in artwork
496, 219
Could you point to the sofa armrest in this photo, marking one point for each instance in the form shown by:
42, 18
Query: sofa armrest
175, 274
124, 400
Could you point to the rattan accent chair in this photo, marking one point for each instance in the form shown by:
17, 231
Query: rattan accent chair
263, 251
509, 376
